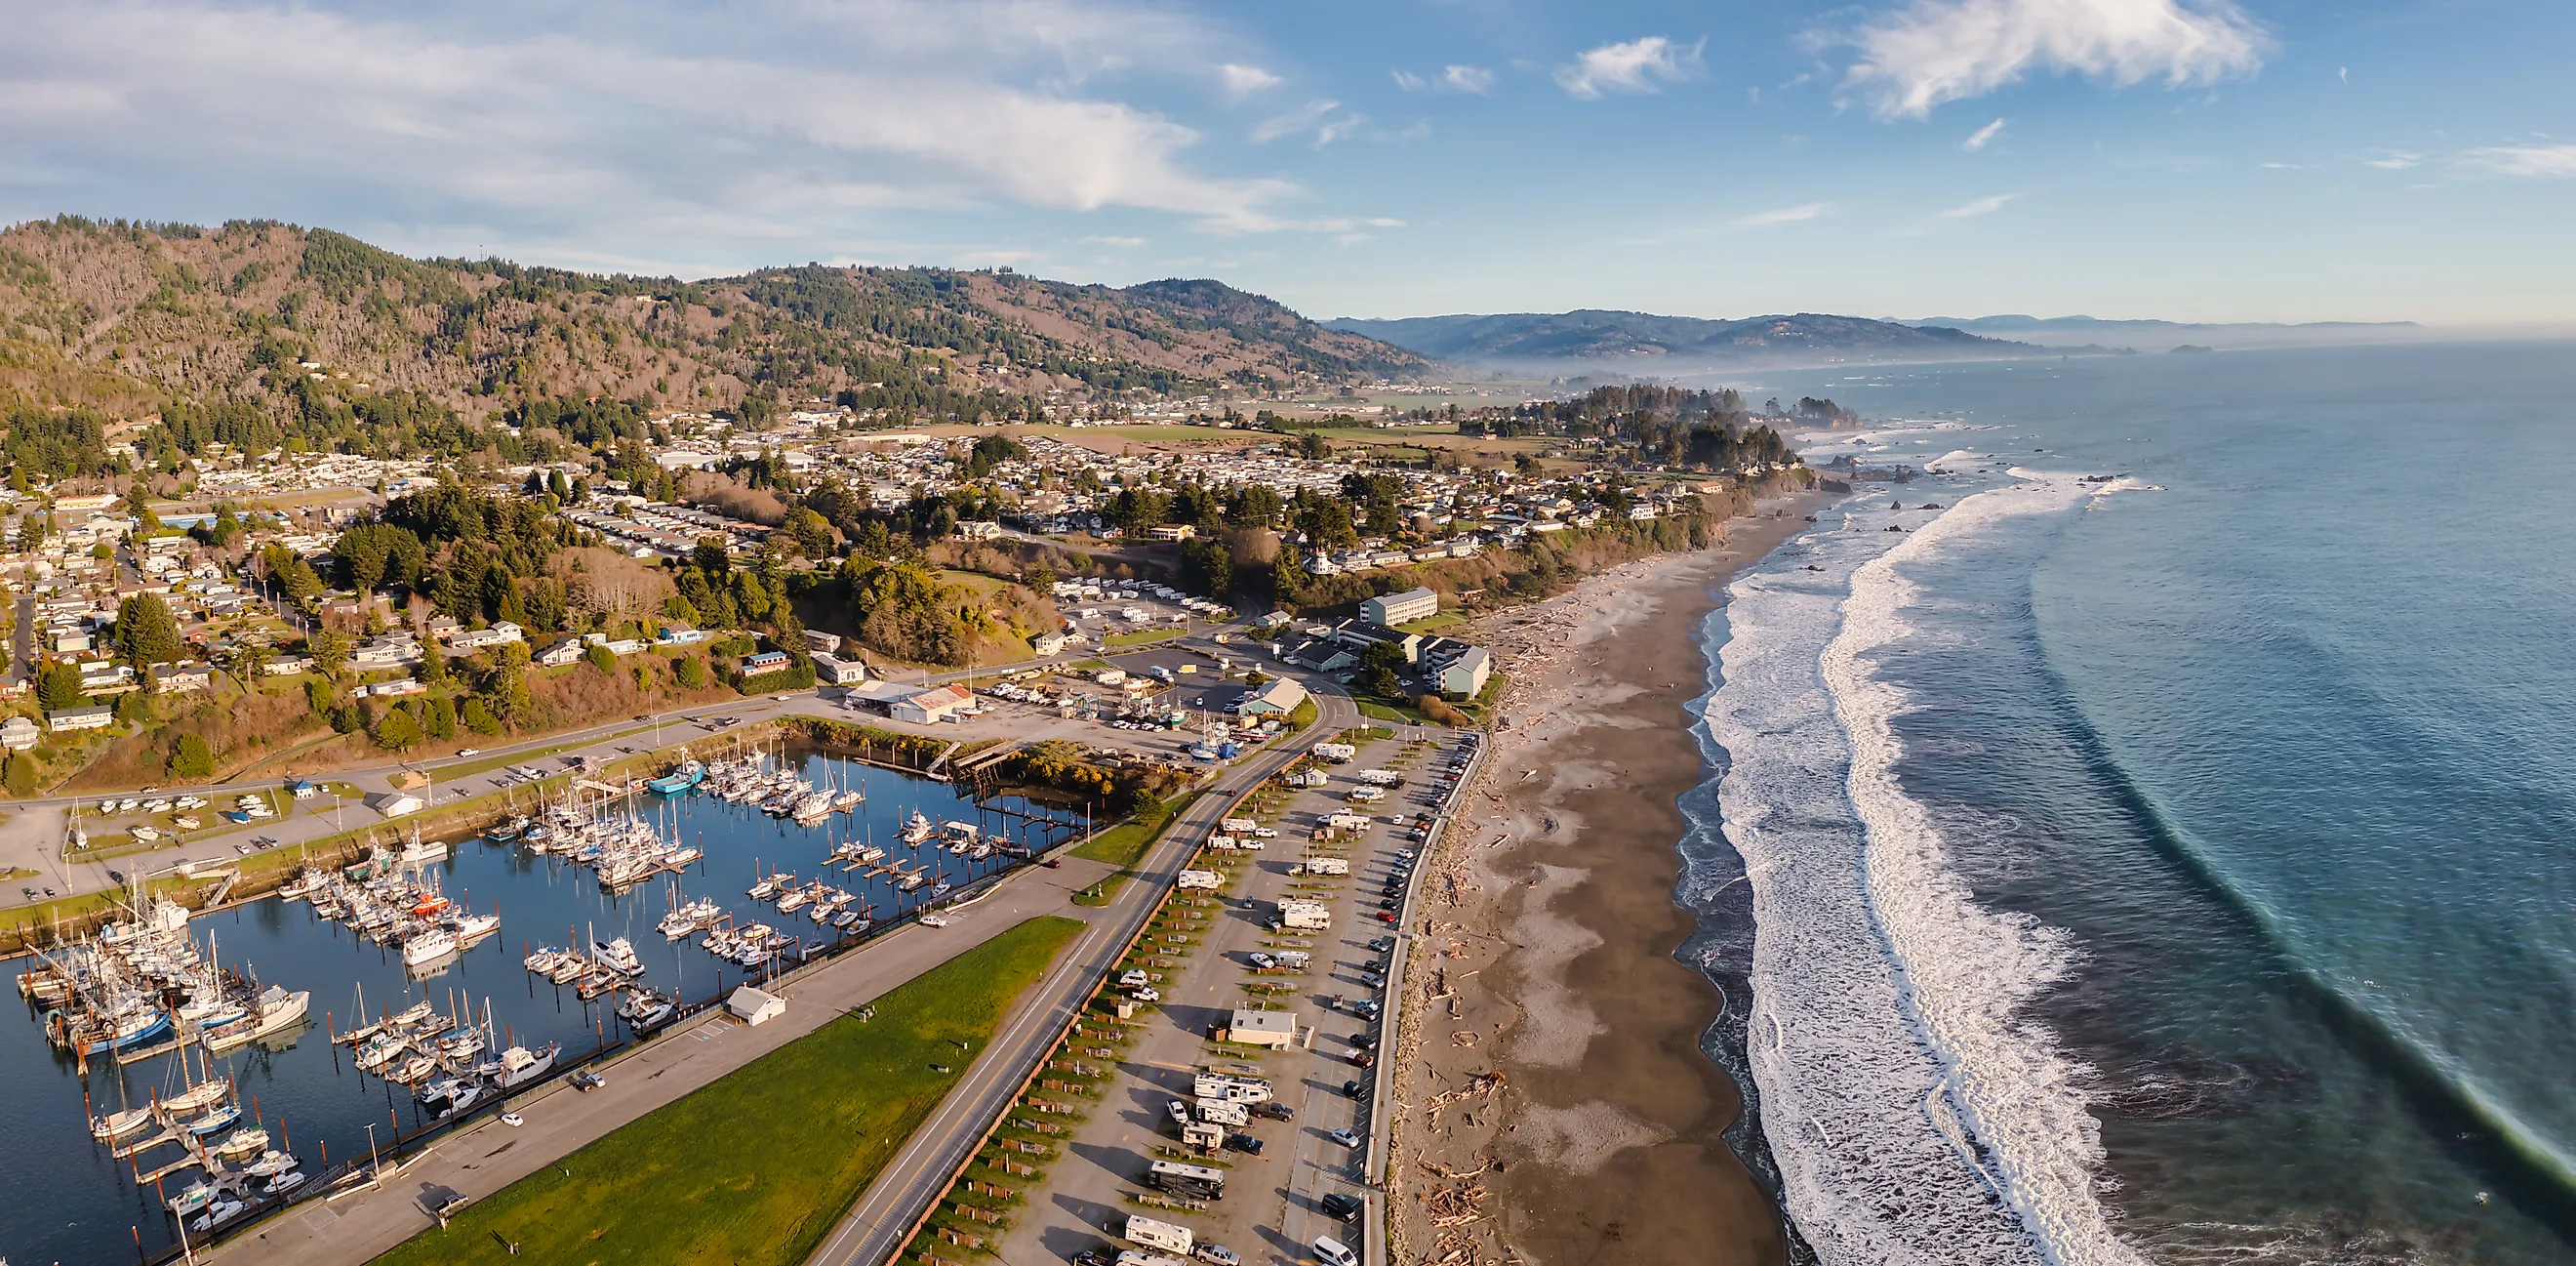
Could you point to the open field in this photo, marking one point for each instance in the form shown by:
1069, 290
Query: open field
753, 1169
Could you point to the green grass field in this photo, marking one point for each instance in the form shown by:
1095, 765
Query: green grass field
754, 1169
1143, 637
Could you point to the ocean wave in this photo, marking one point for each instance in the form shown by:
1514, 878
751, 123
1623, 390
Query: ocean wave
1914, 1112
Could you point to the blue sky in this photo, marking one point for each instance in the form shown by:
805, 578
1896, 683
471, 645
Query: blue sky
2188, 159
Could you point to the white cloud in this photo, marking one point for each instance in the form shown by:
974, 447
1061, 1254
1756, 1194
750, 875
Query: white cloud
1324, 118
1638, 65
2524, 160
1931, 51
1982, 206
1983, 136
660, 135
2393, 160
1122, 243
1785, 215
1242, 81
1473, 80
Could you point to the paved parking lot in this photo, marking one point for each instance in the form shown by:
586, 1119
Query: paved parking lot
1273, 1207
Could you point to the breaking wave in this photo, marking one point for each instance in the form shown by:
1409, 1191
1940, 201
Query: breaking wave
1914, 1112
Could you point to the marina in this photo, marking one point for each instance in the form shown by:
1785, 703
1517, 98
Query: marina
189, 1071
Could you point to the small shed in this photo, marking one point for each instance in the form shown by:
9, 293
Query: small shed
752, 1006
394, 804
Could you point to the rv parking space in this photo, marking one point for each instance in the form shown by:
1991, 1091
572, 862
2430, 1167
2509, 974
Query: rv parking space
1304, 855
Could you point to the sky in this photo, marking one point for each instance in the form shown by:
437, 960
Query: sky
2224, 160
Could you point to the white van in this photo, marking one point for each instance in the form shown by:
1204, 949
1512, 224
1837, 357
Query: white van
1335, 1252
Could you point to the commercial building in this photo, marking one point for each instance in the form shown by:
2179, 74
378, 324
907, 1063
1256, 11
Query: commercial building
1277, 697
929, 707
1466, 672
832, 670
1274, 1029
1401, 608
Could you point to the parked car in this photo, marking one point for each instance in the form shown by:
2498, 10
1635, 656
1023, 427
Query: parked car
1343, 1137
1274, 1110
1243, 1143
1341, 1205
1354, 1089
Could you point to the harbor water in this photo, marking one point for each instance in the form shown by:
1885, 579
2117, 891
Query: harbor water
72, 1201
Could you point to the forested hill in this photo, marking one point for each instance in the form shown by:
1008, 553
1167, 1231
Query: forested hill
292, 321
1555, 339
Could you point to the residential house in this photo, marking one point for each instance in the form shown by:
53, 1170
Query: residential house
93, 718
477, 639
567, 651
764, 662
18, 734
184, 678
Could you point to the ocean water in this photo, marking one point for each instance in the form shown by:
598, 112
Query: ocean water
2170, 868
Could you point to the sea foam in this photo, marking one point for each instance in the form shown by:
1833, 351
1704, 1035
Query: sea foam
1915, 1114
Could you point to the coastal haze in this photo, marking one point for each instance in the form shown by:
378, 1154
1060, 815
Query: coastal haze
1923, 631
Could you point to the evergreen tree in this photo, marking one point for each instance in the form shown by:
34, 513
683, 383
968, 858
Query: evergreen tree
58, 686
191, 760
440, 719
146, 631
396, 731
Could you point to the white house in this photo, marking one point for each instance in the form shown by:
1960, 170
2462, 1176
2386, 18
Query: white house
567, 651
97, 718
18, 734
475, 639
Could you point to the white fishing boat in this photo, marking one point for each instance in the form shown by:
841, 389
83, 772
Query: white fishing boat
249, 1140
283, 1183
542, 960
379, 1052
618, 955
470, 928
519, 1066
216, 1215
428, 947
271, 1163
918, 830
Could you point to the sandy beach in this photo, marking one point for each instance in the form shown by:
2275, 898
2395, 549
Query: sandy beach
1555, 1105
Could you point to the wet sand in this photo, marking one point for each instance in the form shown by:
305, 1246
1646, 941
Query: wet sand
1555, 1106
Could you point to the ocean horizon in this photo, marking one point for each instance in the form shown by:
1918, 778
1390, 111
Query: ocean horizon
2149, 851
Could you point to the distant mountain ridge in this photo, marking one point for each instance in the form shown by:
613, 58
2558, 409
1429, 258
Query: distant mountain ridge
2054, 331
1642, 339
